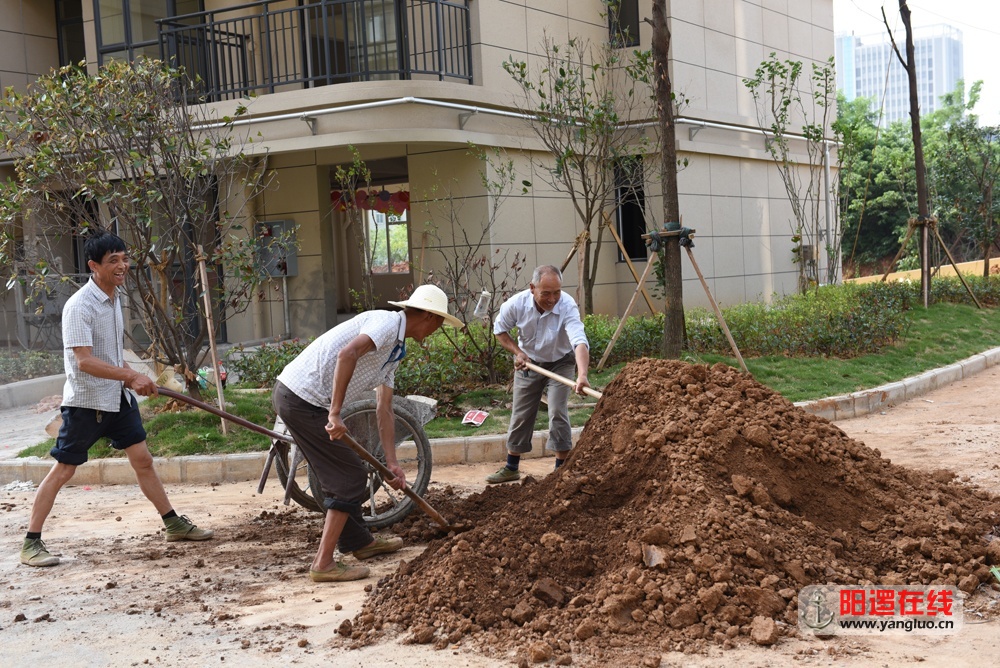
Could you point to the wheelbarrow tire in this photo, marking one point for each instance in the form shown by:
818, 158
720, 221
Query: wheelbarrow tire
383, 505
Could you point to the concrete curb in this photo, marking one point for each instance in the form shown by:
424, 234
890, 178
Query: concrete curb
30, 392
206, 469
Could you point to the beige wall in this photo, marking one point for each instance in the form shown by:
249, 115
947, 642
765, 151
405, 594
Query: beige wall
28, 46
730, 191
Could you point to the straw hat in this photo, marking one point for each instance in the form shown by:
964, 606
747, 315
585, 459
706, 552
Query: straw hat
433, 299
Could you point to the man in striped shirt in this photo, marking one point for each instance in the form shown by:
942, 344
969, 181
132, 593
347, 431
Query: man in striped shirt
95, 402
340, 367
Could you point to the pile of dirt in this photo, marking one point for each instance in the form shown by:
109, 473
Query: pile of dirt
694, 507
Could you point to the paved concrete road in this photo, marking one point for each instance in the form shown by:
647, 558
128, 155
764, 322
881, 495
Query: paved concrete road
21, 428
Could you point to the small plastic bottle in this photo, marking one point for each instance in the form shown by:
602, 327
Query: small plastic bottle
482, 309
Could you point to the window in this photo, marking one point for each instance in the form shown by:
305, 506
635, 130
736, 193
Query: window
69, 27
127, 28
623, 22
631, 206
388, 242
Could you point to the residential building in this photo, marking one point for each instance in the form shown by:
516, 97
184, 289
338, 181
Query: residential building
410, 83
868, 67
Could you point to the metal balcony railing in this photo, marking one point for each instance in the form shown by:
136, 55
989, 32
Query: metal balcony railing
268, 47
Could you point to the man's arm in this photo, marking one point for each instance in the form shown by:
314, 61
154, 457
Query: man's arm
582, 354
510, 345
139, 383
347, 362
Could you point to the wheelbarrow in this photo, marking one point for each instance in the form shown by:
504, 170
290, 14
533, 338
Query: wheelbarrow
365, 455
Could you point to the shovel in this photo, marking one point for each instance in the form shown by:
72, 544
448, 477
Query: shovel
346, 438
562, 379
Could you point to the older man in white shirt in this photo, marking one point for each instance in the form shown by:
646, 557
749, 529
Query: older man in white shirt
550, 334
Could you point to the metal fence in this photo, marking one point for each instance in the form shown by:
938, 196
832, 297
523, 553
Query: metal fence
268, 47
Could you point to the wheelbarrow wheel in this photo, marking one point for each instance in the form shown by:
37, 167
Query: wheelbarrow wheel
384, 505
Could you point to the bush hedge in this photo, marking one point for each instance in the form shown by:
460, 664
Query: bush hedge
838, 321
18, 365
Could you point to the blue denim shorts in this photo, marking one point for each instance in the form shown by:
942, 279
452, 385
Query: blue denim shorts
82, 427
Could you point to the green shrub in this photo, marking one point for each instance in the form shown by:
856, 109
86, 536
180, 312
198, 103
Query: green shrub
18, 365
641, 337
950, 290
452, 362
260, 366
838, 321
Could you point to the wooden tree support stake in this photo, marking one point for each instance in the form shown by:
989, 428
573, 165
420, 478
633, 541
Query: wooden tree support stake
628, 261
718, 312
203, 273
628, 309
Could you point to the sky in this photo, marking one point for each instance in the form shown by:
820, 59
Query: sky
979, 21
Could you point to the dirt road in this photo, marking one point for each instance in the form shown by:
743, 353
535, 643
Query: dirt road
123, 597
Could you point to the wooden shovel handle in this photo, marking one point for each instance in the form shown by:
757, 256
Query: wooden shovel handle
562, 379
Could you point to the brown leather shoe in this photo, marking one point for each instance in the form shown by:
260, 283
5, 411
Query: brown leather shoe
379, 546
339, 572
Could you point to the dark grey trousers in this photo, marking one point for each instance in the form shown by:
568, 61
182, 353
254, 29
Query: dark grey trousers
528, 388
341, 473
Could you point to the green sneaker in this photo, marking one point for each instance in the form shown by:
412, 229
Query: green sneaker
339, 572
181, 528
34, 553
503, 475
379, 546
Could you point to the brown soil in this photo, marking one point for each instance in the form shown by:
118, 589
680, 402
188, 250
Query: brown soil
696, 501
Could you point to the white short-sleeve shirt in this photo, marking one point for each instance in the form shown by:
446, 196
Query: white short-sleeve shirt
93, 320
310, 375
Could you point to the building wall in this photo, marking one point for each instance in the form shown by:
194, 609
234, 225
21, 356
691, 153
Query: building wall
730, 191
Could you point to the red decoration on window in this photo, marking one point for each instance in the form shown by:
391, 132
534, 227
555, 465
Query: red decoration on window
379, 200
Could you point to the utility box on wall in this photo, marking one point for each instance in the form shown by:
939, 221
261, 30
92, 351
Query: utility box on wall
277, 248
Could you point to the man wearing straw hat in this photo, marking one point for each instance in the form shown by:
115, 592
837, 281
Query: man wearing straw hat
336, 369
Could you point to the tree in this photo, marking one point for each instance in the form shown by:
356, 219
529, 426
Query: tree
468, 266
874, 186
121, 150
580, 110
354, 181
673, 324
973, 152
777, 92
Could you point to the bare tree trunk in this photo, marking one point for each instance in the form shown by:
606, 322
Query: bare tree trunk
923, 208
673, 324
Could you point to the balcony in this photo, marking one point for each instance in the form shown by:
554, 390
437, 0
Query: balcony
269, 47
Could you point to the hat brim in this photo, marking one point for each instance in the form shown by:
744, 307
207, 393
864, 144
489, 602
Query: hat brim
448, 318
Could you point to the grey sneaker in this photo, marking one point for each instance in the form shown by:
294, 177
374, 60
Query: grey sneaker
503, 475
34, 553
181, 528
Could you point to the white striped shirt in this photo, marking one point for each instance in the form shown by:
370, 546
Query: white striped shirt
91, 319
310, 375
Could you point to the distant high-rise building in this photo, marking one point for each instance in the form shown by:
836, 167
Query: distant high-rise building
862, 62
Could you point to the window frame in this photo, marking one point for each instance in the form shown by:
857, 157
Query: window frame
128, 46
623, 34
